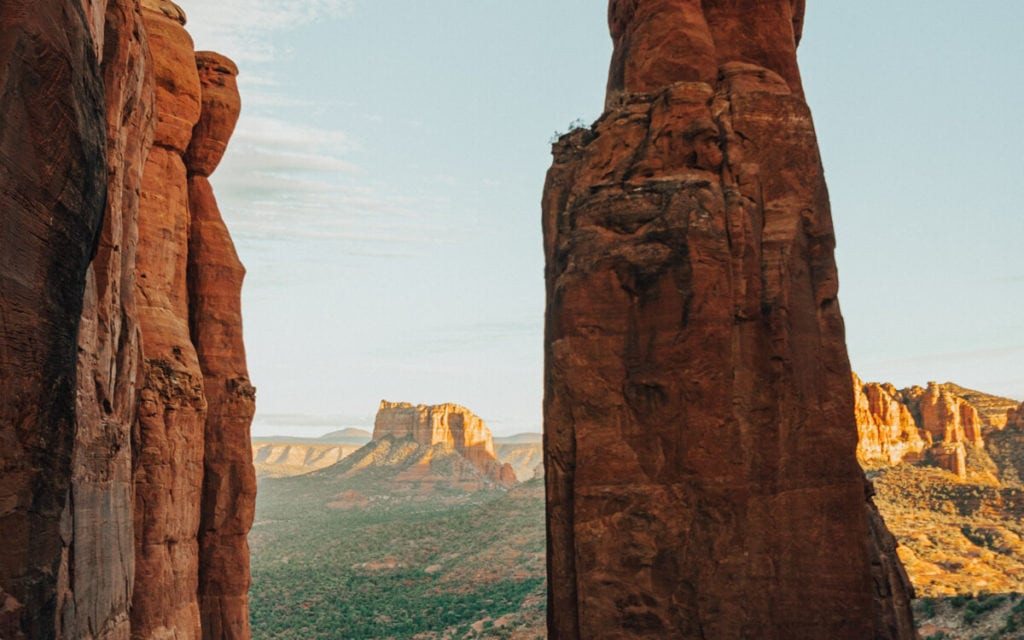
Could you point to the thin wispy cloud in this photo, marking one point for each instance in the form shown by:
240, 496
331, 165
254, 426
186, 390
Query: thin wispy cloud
244, 27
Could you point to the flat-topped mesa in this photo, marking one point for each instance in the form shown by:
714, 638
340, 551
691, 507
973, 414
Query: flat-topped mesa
700, 434
215, 276
448, 424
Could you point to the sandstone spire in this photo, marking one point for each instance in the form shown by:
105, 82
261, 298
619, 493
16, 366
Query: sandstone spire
699, 425
215, 286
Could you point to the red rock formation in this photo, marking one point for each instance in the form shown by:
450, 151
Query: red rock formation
699, 425
52, 177
215, 287
100, 497
944, 416
99, 568
448, 424
887, 431
168, 437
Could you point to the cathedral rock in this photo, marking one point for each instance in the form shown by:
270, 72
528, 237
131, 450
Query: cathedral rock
700, 438
126, 483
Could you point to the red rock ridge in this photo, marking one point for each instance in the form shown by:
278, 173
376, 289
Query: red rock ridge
449, 424
102, 404
888, 432
700, 437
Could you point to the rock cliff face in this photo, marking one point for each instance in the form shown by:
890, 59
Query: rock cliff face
888, 432
168, 435
699, 427
53, 159
907, 425
102, 401
444, 424
1015, 417
215, 288
99, 568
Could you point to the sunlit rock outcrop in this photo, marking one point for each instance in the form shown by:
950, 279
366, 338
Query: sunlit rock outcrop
445, 424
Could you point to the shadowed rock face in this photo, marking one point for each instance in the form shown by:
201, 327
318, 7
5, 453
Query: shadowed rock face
215, 287
699, 427
99, 568
53, 158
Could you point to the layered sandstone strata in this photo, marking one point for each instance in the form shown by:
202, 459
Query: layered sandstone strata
700, 432
446, 424
1015, 417
215, 287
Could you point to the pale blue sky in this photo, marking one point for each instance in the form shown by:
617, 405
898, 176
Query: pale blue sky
383, 189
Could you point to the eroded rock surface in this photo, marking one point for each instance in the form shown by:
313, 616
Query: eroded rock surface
699, 425
99, 563
444, 424
53, 159
102, 406
887, 430
215, 287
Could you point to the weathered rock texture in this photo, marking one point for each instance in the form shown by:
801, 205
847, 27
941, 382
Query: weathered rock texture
168, 437
444, 424
1015, 417
887, 430
98, 570
53, 147
699, 425
102, 409
215, 287
935, 424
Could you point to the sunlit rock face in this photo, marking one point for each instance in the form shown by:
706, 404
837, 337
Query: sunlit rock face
168, 437
887, 431
215, 287
700, 433
445, 424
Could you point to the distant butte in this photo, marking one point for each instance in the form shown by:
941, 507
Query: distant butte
444, 424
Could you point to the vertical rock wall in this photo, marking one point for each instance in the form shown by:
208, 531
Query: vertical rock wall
102, 410
99, 559
168, 436
52, 190
215, 287
699, 426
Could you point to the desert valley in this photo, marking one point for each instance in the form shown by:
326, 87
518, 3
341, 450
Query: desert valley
680, 448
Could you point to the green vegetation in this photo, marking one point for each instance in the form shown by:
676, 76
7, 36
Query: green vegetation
393, 565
